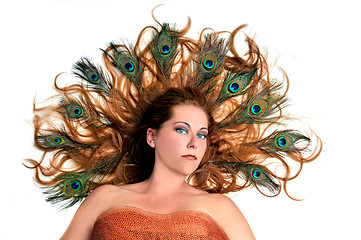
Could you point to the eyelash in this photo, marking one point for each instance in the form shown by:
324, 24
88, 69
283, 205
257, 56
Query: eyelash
199, 135
178, 130
204, 136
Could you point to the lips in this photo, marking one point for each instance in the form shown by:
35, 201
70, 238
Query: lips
190, 157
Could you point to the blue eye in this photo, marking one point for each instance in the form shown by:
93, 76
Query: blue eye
202, 136
181, 130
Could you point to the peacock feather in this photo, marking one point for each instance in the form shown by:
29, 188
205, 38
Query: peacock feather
210, 61
279, 142
54, 141
86, 70
254, 174
164, 49
73, 110
61, 142
73, 187
127, 62
258, 109
235, 84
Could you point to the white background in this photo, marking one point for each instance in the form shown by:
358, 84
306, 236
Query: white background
318, 43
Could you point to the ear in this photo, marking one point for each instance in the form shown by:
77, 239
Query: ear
151, 137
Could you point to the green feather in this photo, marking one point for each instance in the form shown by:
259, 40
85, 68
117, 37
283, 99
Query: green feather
235, 84
286, 141
258, 175
75, 186
210, 61
59, 142
164, 49
256, 110
73, 110
87, 71
54, 141
128, 63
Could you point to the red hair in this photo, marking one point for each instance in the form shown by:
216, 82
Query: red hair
117, 119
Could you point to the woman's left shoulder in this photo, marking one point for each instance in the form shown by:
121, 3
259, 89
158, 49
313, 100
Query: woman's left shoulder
224, 205
229, 216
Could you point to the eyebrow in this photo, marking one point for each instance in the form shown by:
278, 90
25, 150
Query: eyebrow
190, 125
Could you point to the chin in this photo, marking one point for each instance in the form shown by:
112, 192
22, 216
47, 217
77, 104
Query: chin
187, 170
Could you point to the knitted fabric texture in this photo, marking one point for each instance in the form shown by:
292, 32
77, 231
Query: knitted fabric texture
134, 223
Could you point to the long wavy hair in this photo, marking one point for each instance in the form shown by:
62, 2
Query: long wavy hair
115, 115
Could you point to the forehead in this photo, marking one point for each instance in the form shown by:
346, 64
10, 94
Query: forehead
191, 114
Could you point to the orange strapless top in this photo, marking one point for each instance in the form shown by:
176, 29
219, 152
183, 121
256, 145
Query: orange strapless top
135, 223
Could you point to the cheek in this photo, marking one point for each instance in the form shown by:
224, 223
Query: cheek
203, 147
171, 143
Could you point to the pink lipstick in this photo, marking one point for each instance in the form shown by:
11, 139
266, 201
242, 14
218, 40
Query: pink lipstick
190, 157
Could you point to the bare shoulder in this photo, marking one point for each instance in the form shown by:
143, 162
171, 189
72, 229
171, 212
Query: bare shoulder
229, 216
82, 223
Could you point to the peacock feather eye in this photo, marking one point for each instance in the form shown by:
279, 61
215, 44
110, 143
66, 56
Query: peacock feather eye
78, 111
258, 175
73, 187
129, 66
93, 77
56, 140
165, 49
233, 87
258, 108
74, 111
283, 141
209, 62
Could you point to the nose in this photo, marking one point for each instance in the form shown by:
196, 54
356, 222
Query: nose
192, 143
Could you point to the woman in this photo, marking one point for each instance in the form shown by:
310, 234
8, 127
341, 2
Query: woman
160, 133
179, 145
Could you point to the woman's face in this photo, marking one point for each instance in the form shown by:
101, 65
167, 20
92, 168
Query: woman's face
181, 142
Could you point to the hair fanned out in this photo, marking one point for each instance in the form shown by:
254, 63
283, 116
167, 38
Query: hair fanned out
93, 131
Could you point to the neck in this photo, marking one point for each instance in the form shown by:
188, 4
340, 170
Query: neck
164, 183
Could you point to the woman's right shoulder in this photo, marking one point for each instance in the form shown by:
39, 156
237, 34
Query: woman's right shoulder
104, 195
100, 199
104, 190
96, 202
